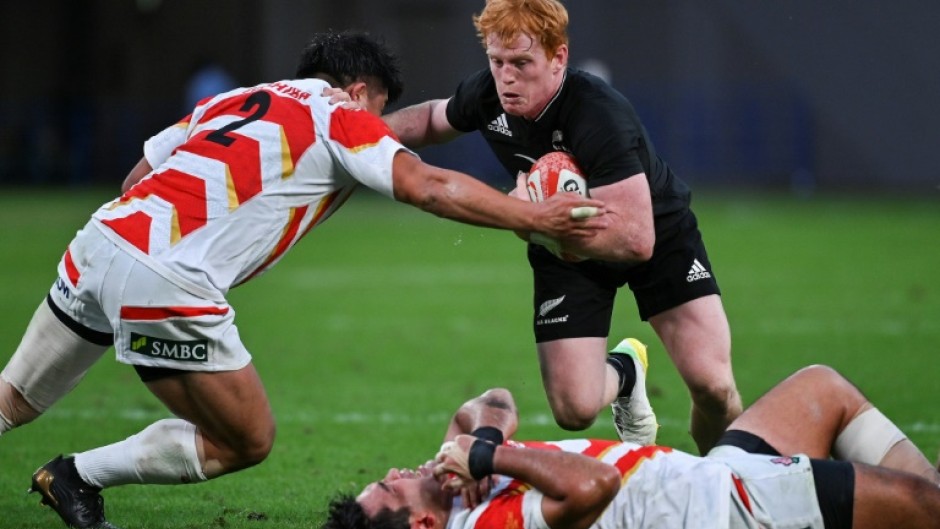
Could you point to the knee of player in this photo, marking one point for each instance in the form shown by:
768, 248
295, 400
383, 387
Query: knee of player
573, 417
716, 396
828, 382
255, 448
819, 375
236, 450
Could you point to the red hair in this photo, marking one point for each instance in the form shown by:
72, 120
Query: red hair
544, 20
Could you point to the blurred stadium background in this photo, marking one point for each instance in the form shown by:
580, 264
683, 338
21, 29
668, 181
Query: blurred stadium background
800, 95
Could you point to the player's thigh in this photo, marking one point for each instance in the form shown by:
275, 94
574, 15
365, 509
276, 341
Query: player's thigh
574, 370
188, 350
887, 498
804, 413
230, 408
570, 300
697, 338
678, 272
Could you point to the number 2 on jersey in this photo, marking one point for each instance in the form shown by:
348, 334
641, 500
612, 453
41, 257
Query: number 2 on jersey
260, 100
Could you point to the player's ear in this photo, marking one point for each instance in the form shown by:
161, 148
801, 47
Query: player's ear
358, 92
560, 58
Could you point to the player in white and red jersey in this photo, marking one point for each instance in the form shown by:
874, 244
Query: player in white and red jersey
217, 199
772, 468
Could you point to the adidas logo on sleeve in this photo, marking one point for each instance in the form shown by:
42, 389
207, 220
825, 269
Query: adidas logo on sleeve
697, 272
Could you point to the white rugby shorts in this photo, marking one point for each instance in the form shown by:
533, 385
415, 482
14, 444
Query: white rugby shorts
772, 492
155, 322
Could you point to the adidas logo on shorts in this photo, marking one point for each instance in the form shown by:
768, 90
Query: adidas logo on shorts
697, 272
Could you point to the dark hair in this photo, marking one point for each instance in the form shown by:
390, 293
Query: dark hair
349, 57
346, 513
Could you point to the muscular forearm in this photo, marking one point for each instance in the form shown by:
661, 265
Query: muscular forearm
460, 197
630, 236
422, 124
448, 195
578, 487
575, 488
625, 242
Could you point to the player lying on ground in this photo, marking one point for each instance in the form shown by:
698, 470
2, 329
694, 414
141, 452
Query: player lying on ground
771, 469
219, 198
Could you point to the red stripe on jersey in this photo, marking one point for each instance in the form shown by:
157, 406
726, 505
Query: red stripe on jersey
297, 135
539, 445
357, 129
322, 208
503, 512
297, 129
227, 106
598, 448
134, 228
241, 161
162, 313
628, 464
284, 244
186, 192
70, 269
204, 100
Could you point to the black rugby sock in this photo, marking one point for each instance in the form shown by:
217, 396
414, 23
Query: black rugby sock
625, 367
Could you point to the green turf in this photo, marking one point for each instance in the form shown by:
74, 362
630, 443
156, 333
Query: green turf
374, 328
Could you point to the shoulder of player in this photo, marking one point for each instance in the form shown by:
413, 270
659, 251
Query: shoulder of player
590, 104
482, 79
587, 92
475, 101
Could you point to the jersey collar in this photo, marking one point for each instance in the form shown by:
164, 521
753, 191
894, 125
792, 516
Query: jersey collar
554, 97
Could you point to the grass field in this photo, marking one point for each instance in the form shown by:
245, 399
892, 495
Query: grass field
385, 319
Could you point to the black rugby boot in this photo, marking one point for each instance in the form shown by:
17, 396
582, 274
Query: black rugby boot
79, 504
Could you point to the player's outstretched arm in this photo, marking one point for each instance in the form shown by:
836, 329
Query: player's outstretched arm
576, 489
422, 124
460, 197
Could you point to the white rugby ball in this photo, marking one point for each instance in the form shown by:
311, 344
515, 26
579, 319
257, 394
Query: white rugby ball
556, 172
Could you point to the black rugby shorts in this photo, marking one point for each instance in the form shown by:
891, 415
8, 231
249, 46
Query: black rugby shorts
576, 300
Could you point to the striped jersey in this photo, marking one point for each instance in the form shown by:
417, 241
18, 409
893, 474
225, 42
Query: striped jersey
242, 179
661, 488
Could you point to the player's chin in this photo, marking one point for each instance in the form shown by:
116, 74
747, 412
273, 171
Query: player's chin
439, 494
513, 106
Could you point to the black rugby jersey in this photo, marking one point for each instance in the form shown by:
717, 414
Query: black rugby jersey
587, 118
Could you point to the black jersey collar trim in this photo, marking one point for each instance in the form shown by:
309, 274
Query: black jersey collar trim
554, 97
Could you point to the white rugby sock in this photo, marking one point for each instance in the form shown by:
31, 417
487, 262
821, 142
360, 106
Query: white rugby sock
162, 453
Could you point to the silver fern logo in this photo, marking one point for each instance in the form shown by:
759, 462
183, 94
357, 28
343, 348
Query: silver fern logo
547, 306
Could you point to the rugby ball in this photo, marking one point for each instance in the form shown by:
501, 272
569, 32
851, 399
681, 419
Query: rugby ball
556, 172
